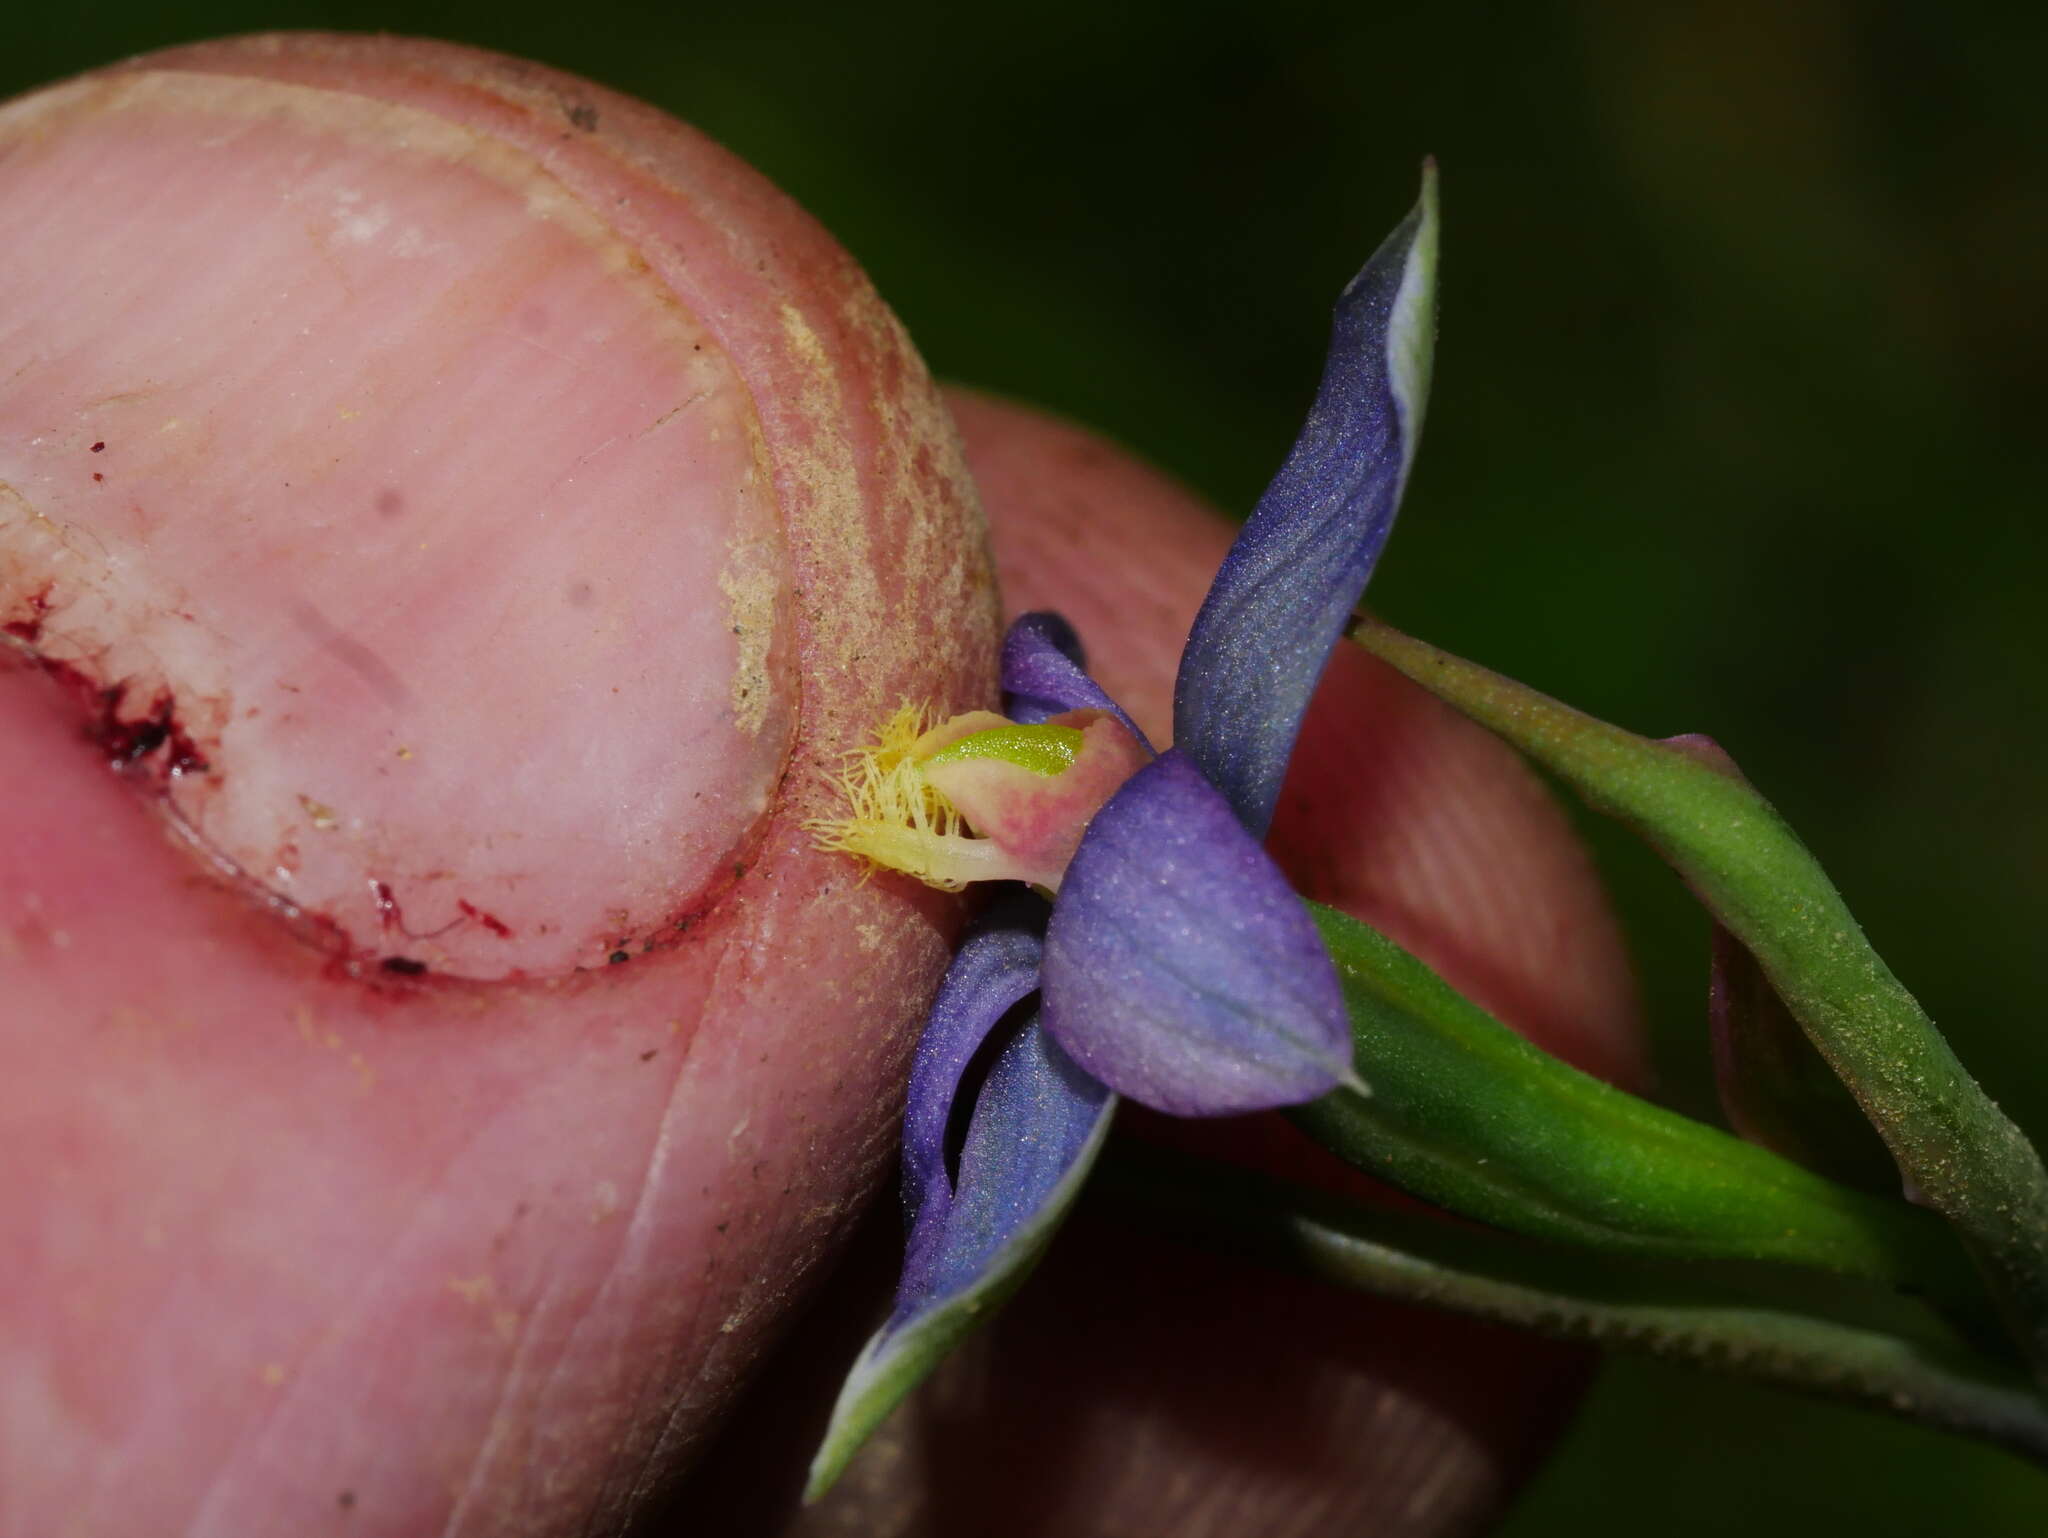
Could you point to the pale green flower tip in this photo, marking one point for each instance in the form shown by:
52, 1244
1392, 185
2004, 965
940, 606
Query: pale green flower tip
1411, 329
1043, 749
863, 1404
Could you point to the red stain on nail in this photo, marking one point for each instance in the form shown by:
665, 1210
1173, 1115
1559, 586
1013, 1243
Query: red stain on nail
490, 921
30, 629
134, 742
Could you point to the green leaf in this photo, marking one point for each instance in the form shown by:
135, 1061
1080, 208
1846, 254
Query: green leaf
1791, 1329
1776, 1090
1963, 1156
1467, 1114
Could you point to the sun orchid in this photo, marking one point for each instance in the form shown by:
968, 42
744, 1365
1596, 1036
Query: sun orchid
1169, 957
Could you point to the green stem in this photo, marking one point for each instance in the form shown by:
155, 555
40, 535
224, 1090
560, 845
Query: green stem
1876, 1350
1964, 1157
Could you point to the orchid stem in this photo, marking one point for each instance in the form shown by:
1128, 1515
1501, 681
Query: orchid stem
1790, 1329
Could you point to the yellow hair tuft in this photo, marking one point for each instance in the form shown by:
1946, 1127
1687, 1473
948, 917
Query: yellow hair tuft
895, 817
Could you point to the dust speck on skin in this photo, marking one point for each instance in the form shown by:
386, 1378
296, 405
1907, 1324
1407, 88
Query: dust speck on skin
55, 540
827, 469
937, 553
883, 624
752, 584
327, 1040
128, 1020
355, 224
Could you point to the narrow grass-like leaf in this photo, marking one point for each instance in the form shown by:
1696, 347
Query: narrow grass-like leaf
1832, 1341
1964, 1157
1468, 1115
1775, 1089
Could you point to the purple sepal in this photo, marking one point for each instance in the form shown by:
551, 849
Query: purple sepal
1290, 583
1044, 673
1180, 968
1038, 1125
1037, 1115
995, 969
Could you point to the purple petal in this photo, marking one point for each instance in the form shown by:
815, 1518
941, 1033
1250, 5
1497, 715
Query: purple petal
1044, 673
1291, 581
1180, 968
994, 970
1037, 1127
1037, 1117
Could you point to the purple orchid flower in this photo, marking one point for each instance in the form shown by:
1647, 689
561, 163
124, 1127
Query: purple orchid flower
1175, 964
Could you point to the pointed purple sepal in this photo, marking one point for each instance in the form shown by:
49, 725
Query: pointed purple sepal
995, 969
1180, 968
1291, 581
1038, 1124
1037, 1115
1045, 673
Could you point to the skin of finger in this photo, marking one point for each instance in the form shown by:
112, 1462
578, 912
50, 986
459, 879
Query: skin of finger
309, 1250
1137, 1387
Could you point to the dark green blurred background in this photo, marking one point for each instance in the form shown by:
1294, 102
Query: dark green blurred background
1737, 428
